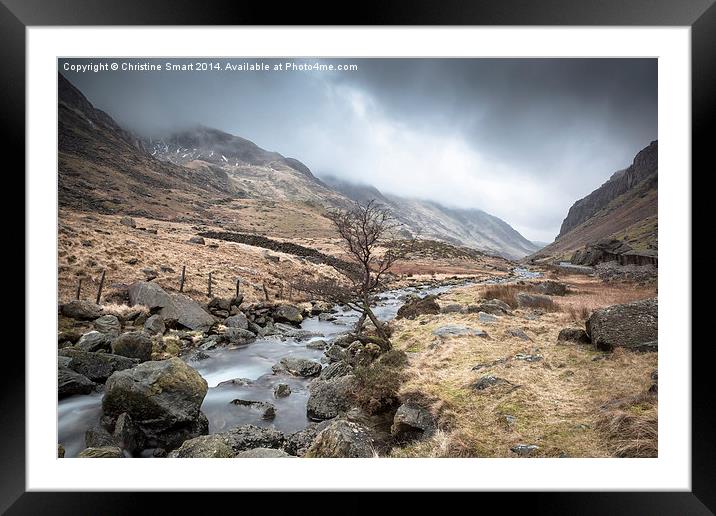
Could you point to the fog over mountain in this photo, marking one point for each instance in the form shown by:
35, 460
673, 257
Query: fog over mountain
517, 138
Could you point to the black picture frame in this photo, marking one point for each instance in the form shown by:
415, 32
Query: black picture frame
700, 15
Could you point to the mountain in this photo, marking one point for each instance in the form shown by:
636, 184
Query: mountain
199, 174
252, 171
103, 168
617, 221
463, 227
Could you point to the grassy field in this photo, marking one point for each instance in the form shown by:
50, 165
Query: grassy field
574, 401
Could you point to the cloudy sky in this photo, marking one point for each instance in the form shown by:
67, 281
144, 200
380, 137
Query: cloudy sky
519, 138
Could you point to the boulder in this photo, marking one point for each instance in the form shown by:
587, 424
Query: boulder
239, 336
411, 422
178, 307
70, 382
573, 335
204, 447
486, 318
149, 274
491, 306
126, 434
133, 344
298, 442
288, 314
415, 307
524, 450
237, 321
93, 341
326, 317
457, 330
263, 453
108, 324
155, 325
104, 452
297, 367
631, 325
197, 240
452, 308
248, 437
518, 333
82, 310
163, 399
342, 439
98, 437
95, 366
336, 353
526, 300
60, 451
330, 397
551, 288
128, 221
488, 381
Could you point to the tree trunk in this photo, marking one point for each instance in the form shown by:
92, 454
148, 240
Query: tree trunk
359, 324
380, 330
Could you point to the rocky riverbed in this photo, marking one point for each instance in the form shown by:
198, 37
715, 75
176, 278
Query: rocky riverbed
256, 369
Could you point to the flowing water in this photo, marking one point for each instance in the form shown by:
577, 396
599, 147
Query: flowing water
250, 366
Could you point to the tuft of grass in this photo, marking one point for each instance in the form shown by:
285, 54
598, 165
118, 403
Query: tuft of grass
506, 293
631, 426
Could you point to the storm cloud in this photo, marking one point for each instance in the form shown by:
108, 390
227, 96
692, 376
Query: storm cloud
519, 138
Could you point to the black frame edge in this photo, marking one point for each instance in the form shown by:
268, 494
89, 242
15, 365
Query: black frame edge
699, 14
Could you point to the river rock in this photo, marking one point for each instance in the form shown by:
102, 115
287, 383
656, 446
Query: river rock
104, 452
415, 307
248, 437
630, 325
239, 336
329, 398
326, 317
335, 370
108, 324
237, 321
297, 367
163, 399
126, 434
98, 437
93, 341
95, 366
281, 390
491, 306
267, 410
81, 310
317, 344
551, 288
573, 335
287, 313
133, 344
336, 353
184, 310
70, 382
155, 325
213, 446
412, 422
342, 439
60, 451
263, 453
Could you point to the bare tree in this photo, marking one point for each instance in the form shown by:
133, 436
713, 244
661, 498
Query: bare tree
362, 228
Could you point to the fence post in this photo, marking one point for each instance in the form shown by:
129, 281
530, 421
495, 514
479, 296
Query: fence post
209, 285
181, 282
79, 289
101, 284
238, 286
265, 292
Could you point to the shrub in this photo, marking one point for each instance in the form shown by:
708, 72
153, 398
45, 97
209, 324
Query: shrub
379, 382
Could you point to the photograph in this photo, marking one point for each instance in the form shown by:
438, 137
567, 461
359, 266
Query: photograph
357, 257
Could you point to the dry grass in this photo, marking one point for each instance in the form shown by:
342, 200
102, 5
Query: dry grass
632, 425
556, 402
505, 292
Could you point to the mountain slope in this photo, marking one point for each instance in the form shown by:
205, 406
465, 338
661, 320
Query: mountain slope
104, 168
470, 228
252, 171
618, 218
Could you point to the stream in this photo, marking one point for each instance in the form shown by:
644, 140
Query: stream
251, 365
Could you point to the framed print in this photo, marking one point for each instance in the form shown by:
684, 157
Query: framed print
419, 252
